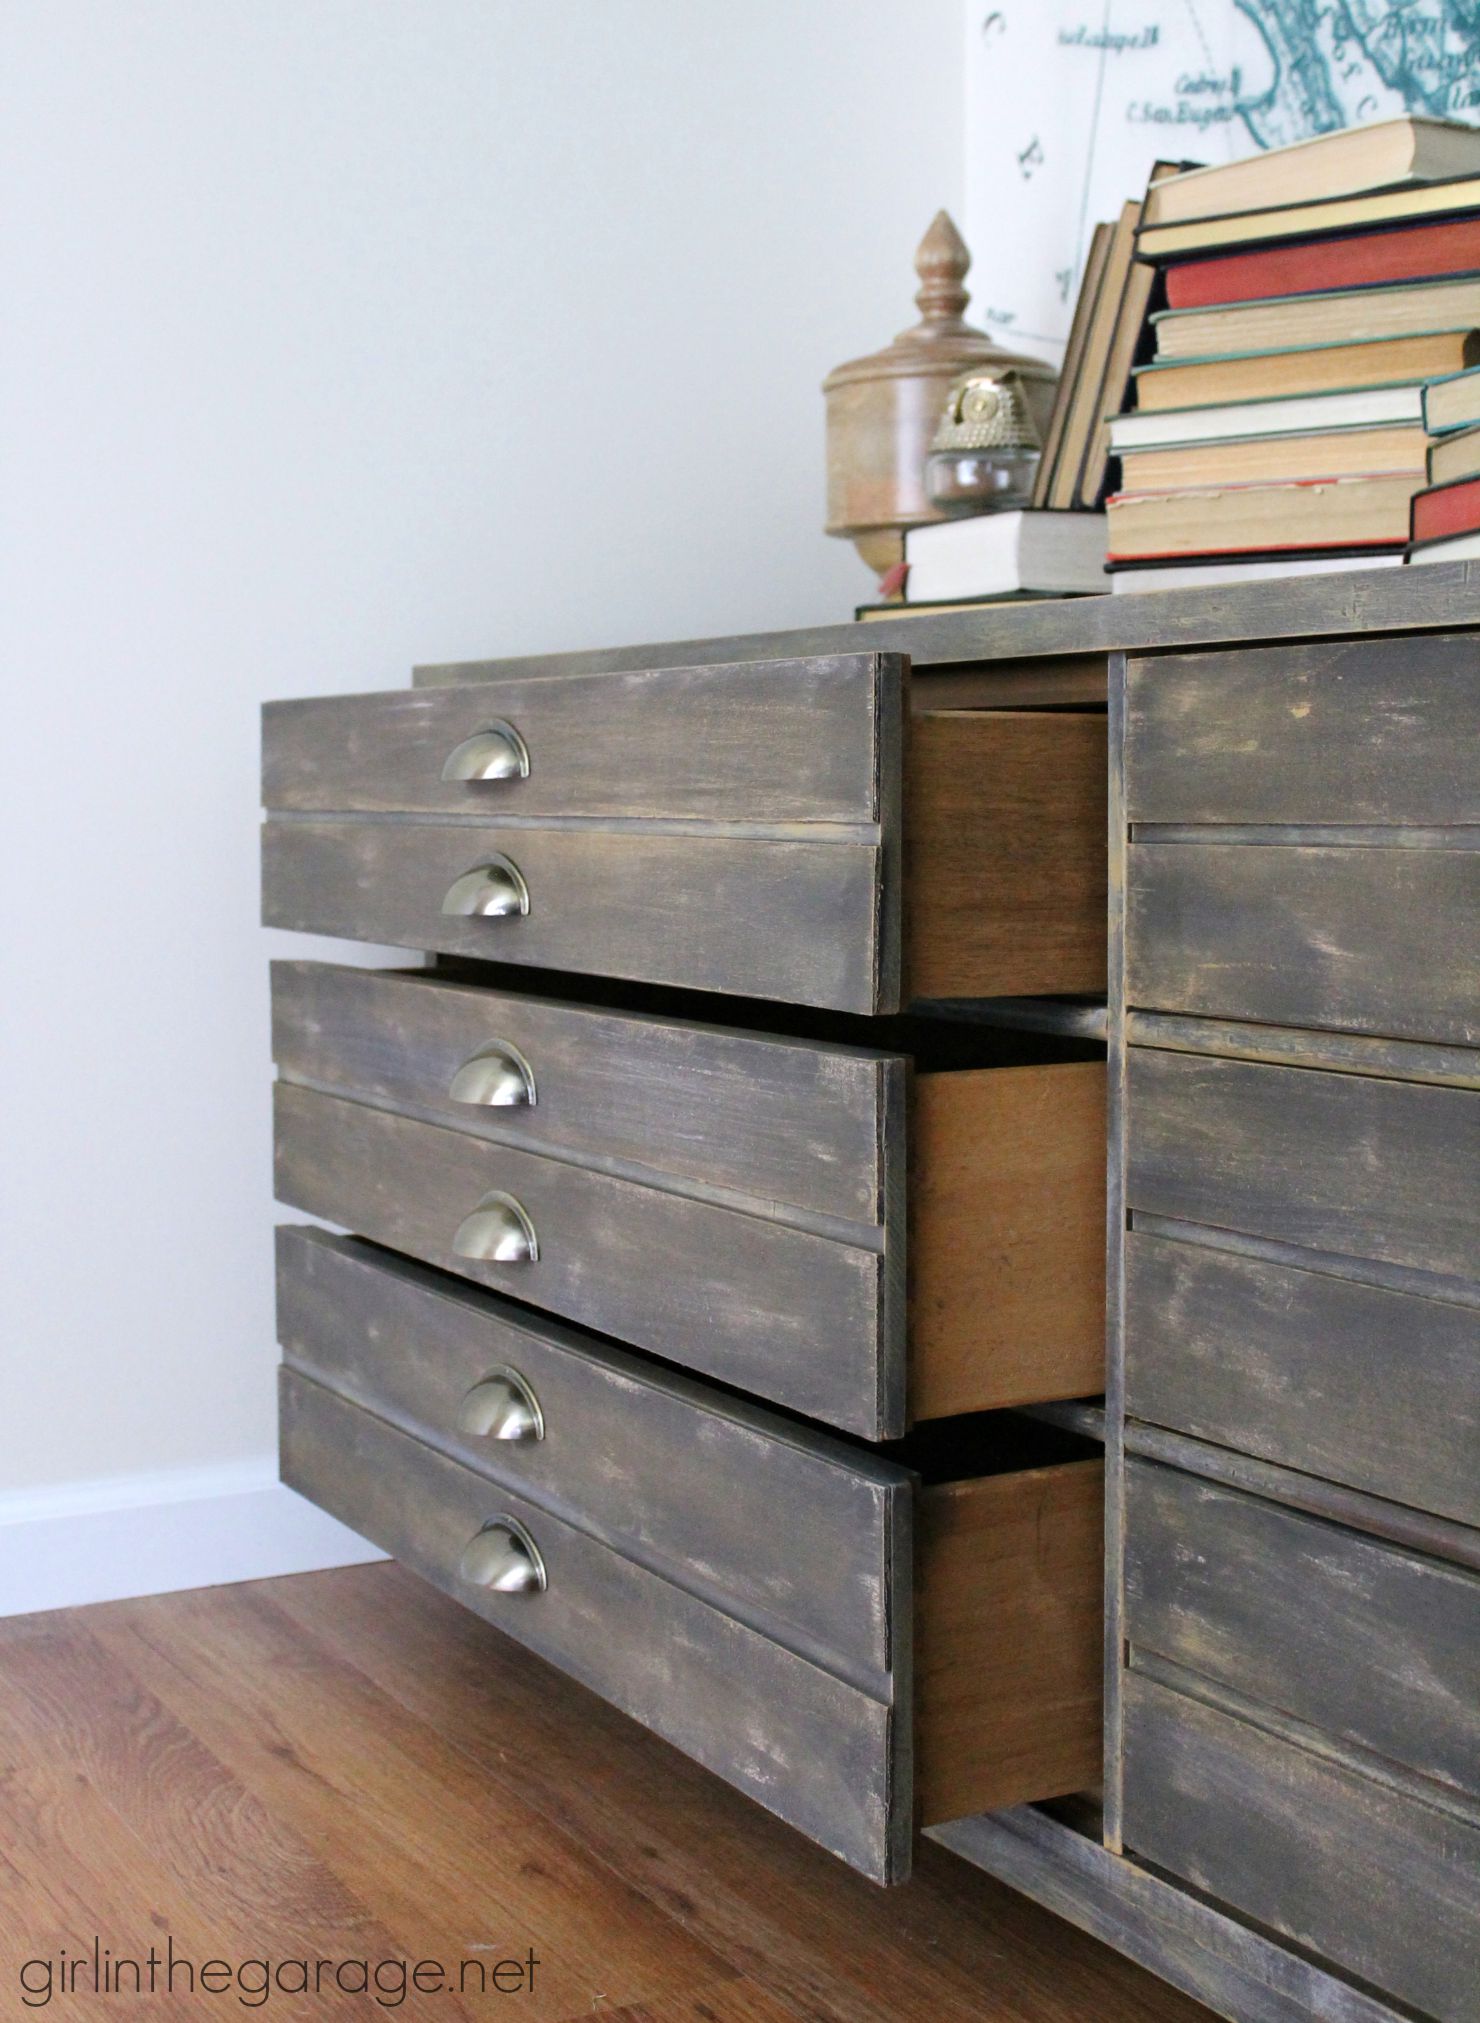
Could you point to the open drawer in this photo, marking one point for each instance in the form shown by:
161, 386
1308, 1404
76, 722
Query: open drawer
775, 829
862, 1645
867, 1238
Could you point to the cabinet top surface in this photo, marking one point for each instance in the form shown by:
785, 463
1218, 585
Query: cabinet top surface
1433, 596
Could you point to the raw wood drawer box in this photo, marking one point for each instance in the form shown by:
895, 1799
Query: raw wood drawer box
735, 1201
857, 1651
779, 829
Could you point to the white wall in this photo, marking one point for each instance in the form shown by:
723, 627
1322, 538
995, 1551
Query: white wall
339, 334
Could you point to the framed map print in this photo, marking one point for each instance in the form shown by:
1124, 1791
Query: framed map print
1070, 102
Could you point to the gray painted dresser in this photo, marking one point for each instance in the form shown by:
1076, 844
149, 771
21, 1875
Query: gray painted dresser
725, 1316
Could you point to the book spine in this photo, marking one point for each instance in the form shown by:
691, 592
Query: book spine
1166, 556
1372, 259
1442, 510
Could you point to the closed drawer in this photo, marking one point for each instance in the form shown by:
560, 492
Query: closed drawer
756, 741
780, 1525
1365, 939
794, 919
745, 1205
761, 830
1359, 1638
1301, 1367
1352, 731
992, 1701
1362, 1870
1303, 829
779, 1119
1365, 1169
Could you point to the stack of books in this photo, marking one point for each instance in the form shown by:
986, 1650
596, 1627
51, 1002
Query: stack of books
1318, 327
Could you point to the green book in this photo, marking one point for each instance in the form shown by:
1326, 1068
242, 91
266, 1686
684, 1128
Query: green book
1452, 402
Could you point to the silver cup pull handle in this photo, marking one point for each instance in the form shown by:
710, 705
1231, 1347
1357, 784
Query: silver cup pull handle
497, 1076
495, 889
497, 1232
497, 752
501, 1406
504, 1558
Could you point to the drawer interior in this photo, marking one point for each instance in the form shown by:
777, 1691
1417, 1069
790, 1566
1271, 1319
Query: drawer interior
1048, 681
1006, 1236
1009, 1612
1005, 817
1008, 1639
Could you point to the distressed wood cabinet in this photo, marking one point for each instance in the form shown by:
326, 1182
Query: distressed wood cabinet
745, 1138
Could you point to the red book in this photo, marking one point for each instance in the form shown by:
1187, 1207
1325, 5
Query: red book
1306, 266
1447, 509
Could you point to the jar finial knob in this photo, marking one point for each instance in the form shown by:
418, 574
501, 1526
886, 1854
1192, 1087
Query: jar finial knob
941, 261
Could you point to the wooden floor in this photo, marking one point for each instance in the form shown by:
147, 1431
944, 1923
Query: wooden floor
347, 1766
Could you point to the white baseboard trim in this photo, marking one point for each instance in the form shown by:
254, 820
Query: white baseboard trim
107, 1540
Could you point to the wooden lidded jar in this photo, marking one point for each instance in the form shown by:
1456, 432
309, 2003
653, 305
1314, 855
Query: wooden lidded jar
882, 410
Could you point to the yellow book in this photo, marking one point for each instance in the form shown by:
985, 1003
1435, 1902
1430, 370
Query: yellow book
1322, 368
1298, 221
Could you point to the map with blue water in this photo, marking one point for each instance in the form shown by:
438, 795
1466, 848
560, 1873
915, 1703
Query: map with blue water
1071, 102
1340, 65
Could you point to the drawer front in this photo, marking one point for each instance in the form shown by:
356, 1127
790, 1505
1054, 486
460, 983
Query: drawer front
804, 921
1374, 940
1368, 1169
807, 1321
792, 1532
764, 741
786, 1121
1302, 827
1356, 731
1300, 1367
1307, 1846
1354, 1636
826, 1756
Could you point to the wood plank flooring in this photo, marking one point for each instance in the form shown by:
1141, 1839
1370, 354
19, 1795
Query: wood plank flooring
347, 1767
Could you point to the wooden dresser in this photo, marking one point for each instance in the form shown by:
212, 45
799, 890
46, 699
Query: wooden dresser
725, 1313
